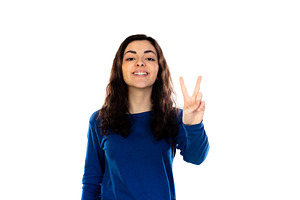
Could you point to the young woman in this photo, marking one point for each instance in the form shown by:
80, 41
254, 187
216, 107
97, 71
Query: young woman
133, 138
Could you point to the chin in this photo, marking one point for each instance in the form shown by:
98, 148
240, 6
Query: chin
141, 86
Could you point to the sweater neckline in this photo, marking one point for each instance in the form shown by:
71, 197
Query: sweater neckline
141, 114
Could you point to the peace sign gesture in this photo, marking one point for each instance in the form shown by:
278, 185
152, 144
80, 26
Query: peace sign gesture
194, 107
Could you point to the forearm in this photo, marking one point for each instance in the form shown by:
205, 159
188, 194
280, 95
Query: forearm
196, 146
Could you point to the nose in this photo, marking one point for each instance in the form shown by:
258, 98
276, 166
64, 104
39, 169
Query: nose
140, 63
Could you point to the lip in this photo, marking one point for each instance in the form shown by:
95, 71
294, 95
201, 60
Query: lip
137, 71
140, 76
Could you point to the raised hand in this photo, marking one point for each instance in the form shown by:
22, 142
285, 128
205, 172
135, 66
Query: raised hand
194, 107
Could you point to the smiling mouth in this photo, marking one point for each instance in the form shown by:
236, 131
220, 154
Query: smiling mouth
140, 73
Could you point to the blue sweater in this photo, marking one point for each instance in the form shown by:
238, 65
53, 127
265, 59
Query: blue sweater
137, 167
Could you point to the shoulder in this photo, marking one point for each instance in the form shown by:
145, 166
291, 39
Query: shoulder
178, 113
94, 119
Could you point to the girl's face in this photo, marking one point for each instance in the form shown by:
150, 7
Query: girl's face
140, 64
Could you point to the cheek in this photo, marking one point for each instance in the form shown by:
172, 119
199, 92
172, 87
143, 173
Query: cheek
125, 75
156, 69
123, 70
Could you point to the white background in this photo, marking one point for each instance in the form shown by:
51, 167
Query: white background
55, 59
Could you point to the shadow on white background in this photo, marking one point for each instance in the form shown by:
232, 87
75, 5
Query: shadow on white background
55, 64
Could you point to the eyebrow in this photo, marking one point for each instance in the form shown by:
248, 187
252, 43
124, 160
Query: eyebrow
149, 51
134, 52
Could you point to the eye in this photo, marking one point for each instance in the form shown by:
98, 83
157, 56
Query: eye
129, 59
150, 59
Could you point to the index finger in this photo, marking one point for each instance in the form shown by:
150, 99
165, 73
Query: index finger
183, 88
197, 87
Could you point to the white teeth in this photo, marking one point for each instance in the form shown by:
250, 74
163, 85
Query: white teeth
140, 73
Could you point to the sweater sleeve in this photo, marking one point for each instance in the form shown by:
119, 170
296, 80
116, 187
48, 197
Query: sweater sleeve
192, 142
94, 164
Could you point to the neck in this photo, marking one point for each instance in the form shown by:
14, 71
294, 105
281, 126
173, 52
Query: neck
139, 99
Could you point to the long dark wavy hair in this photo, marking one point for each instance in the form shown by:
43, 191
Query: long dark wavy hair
115, 115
